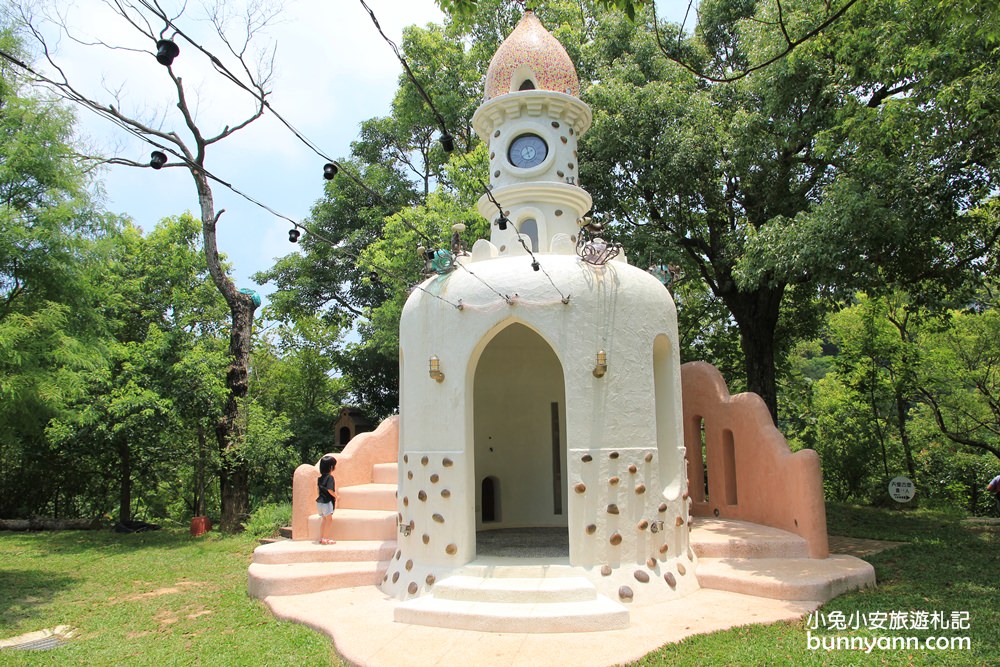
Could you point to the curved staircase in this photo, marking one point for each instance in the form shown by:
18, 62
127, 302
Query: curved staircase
364, 527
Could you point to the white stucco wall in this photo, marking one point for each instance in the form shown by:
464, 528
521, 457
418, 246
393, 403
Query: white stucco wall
624, 474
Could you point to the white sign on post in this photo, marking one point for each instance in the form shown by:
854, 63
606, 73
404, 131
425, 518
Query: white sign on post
902, 489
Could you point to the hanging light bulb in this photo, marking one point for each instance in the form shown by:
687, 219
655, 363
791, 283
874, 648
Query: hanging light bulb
502, 222
166, 51
447, 142
157, 159
293, 235
535, 265
329, 171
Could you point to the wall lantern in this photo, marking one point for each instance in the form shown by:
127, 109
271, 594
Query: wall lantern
166, 51
602, 364
157, 159
435, 369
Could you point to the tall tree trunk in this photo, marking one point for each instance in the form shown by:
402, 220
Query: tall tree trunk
756, 315
125, 481
229, 432
904, 436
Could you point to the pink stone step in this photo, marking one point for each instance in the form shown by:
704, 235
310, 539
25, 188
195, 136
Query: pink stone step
309, 551
264, 579
367, 497
385, 473
729, 538
786, 578
355, 524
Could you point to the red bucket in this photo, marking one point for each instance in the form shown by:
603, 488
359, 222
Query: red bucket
200, 525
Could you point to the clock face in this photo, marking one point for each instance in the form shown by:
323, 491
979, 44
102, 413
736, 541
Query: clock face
528, 150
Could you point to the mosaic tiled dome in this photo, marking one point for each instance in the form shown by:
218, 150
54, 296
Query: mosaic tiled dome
531, 52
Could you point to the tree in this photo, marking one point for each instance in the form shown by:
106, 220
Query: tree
831, 170
189, 143
50, 329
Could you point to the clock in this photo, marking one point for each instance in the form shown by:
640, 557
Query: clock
527, 150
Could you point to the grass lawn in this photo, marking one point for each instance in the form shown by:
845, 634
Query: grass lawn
156, 598
167, 598
945, 566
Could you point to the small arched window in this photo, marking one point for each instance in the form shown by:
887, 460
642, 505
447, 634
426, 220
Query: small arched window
529, 228
527, 84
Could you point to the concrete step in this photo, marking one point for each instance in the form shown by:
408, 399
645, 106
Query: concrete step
786, 578
594, 615
286, 532
367, 497
514, 589
307, 551
729, 538
264, 579
354, 524
385, 473
499, 567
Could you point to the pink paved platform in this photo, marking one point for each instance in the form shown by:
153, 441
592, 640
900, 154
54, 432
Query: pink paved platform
360, 622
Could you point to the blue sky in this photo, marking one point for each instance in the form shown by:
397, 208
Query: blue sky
332, 71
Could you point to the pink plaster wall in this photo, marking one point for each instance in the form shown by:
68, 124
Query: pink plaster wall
752, 475
354, 466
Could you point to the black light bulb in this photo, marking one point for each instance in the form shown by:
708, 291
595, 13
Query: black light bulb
166, 51
502, 222
329, 171
157, 159
293, 235
535, 265
447, 142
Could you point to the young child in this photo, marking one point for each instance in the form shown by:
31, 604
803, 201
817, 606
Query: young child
994, 488
326, 499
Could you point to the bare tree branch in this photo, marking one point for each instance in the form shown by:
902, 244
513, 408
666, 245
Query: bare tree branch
791, 44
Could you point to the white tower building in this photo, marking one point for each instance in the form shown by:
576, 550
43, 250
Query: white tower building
540, 395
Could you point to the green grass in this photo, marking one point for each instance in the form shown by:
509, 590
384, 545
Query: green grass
165, 598
157, 598
944, 566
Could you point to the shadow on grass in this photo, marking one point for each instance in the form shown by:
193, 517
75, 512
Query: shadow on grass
24, 591
70, 542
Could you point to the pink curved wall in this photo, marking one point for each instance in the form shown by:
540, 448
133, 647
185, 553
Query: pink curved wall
354, 466
752, 475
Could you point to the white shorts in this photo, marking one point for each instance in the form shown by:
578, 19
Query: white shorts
324, 508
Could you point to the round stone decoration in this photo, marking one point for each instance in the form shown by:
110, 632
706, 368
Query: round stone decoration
395, 577
649, 457
438, 518
616, 539
612, 509
591, 529
662, 507
434, 478
670, 579
409, 565
580, 488
412, 588
642, 525
681, 569
625, 593
430, 579
640, 489
426, 538
586, 458
447, 463
632, 469
650, 562
451, 549
641, 576
422, 495
445, 493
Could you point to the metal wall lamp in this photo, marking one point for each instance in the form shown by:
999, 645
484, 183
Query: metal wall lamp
435, 369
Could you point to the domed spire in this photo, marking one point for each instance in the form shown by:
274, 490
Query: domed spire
531, 58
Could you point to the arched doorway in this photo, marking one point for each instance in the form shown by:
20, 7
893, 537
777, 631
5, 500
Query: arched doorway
519, 408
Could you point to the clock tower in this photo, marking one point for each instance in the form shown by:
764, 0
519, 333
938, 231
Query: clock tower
531, 119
